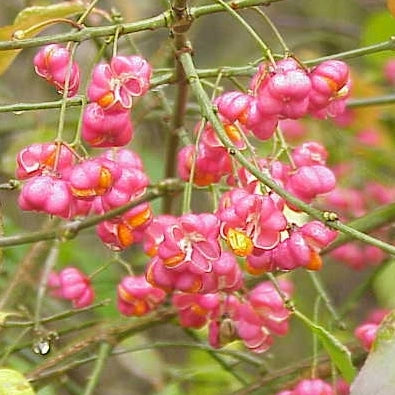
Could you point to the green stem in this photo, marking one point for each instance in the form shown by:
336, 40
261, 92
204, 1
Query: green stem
84, 101
287, 301
100, 269
315, 339
371, 101
115, 41
239, 355
284, 147
266, 50
274, 28
319, 286
237, 83
186, 206
218, 358
117, 258
249, 146
156, 22
334, 378
9, 349
180, 26
60, 332
16, 285
70, 230
55, 317
227, 72
215, 196
20, 107
115, 333
208, 112
169, 77
87, 11
20, 34
377, 218
216, 86
388, 45
50, 262
104, 353
64, 98
77, 137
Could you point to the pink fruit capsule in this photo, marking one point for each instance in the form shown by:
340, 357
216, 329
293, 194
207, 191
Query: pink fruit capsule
52, 64
137, 297
114, 85
106, 129
46, 194
71, 284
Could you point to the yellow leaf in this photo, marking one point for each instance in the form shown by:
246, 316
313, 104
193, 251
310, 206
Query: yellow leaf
391, 6
13, 383
29, 17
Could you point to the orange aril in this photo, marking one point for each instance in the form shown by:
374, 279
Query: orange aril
315, 261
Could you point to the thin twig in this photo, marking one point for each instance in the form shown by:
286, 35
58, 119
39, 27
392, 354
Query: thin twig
274, 28
156, 22
56, 317
315, 338
319, 287
167, 78
24, 268
115, 333
266, 50
238, 355
104, 352
218, 358
181, 24
375, 219
9, 349
50, 262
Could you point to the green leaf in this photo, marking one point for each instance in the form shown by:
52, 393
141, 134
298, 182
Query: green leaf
29, 17
383, 285
379, 26
339, 353
377, 376
13, 383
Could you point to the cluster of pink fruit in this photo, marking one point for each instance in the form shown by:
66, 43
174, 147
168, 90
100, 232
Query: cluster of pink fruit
187, 258
286, 91
318, 387
71, 284
252, 318
106, 121
59, 181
